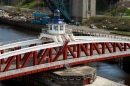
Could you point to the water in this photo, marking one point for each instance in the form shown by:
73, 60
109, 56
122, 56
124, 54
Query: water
106, 70
7, 34
111, 71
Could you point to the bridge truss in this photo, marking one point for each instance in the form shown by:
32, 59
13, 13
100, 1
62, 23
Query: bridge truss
21, 61
63, 5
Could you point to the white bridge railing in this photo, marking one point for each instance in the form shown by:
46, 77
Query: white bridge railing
31, 68
103, 35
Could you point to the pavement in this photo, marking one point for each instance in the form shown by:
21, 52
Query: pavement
100, 81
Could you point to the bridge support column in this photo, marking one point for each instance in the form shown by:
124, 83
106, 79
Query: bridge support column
125, 46
35, 58
65, 54
83, 9
78, 50
103, 48
18, 61
91, 49
50, 55
114, 47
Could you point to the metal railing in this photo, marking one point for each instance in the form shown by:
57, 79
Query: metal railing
103, 35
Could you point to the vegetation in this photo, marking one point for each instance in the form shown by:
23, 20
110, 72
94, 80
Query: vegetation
111, 23
121, 33
32, 4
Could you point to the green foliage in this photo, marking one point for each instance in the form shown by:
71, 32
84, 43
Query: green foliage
121, 33
31, 4
119, 22
128, 12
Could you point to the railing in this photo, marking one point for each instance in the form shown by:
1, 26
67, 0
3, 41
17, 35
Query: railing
22, 70
103, 35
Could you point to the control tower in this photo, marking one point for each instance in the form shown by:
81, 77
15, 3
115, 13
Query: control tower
57, 31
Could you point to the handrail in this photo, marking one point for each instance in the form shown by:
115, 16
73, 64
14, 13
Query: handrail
103, 35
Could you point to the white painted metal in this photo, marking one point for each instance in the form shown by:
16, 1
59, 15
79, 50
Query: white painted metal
50, 45
22, 43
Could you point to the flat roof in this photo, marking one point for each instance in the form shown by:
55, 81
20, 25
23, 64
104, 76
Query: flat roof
75, 71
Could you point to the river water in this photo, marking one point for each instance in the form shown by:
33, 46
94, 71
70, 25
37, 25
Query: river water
106, 70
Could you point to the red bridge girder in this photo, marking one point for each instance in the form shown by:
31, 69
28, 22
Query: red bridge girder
50, 55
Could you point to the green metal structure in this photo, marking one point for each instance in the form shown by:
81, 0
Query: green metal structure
63, 5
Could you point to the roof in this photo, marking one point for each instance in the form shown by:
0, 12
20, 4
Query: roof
75, 71
57, 21
57, 11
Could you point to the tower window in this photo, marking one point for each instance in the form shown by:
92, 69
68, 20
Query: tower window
56, 27
61, 27
56, 14
50, 27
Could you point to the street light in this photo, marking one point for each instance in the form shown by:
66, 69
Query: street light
72, 21
104, 28
115, 28
122, 23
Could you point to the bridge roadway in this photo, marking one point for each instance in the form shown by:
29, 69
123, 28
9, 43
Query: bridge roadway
79, 40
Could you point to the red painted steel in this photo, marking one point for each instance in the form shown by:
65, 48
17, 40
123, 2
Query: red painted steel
49, 55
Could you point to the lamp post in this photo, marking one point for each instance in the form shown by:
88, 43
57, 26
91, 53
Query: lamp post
122, 23
104, 29
72, 21
115, 29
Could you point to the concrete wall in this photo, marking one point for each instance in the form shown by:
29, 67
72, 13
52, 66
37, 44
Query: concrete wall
80, 11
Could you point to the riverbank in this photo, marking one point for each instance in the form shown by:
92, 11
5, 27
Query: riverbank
22, 24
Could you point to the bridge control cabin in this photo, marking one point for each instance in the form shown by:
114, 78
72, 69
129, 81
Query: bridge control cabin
57, 31
57, 26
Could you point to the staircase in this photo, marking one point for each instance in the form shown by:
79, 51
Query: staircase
62, 5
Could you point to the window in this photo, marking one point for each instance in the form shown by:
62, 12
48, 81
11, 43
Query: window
64, 78
56, 27
50, 27
71, 78
61, 27
78, 78
56, 14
